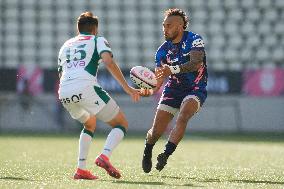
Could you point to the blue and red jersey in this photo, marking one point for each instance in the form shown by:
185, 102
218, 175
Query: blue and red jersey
183, 84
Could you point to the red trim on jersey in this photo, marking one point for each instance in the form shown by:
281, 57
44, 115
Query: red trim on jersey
82, 38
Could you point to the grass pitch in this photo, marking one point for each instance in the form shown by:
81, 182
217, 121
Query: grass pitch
199, 162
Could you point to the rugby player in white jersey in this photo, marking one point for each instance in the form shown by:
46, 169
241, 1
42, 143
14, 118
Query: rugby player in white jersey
84, 99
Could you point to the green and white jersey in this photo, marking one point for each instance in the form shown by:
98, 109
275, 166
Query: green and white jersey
79, 58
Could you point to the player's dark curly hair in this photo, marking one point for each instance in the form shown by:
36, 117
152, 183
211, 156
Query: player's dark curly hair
178, 12
86, 21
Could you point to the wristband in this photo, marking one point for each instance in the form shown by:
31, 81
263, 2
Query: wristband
174, 69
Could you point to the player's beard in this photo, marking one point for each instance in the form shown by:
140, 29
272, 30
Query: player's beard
171, 37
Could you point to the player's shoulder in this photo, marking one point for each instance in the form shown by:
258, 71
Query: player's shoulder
102, 40
162, 49
163, 45
192, 35
69, 41
66, 44
99, 37
195, 39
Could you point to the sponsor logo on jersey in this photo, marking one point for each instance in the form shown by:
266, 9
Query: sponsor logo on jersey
107, 44
76, 64
96, 102
183, 45
198, 43
171, 61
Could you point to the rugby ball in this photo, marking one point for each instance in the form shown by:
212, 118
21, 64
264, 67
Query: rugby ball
143, 77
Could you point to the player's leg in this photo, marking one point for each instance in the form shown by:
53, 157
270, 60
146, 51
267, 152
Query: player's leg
163, 117
112, 115
160, 123
188, 108
119, 126
84, 146
85, 139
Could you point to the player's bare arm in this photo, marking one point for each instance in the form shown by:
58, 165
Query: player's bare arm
113, 68
196, 61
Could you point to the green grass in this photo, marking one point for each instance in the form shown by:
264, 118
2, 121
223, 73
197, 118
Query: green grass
199, 162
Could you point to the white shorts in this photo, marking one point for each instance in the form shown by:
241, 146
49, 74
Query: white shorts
83, 102
173, 110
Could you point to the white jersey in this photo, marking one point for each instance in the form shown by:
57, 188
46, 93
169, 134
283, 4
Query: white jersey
79, 92
79, 58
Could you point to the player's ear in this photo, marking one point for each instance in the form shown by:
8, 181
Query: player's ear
181, 27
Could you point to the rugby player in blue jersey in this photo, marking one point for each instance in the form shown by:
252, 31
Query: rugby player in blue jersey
181, 59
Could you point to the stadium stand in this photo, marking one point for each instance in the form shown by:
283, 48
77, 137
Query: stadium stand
238, 34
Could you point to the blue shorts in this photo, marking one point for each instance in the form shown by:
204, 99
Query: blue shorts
174, 98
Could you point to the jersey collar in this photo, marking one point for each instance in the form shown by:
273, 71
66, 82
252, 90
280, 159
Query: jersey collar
85, 33
182, 39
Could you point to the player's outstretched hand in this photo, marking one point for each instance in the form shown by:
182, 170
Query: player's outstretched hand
163, 71
146, 92
133, 93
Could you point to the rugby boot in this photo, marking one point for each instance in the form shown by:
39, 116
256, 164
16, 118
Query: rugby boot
162, 161
103, 162
84, 174
147, 162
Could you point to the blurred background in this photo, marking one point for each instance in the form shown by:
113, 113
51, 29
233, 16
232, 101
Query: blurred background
245, 51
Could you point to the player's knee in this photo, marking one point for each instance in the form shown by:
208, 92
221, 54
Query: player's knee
90, 124
119, 119
124, 123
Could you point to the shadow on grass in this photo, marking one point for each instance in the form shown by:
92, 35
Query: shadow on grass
15, 178
137, 182
258, 181
171, 177
242, 181
174, 177
152, 183
221, 180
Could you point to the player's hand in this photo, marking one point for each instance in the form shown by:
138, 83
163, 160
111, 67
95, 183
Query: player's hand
133, 93
163, 71
146, 92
